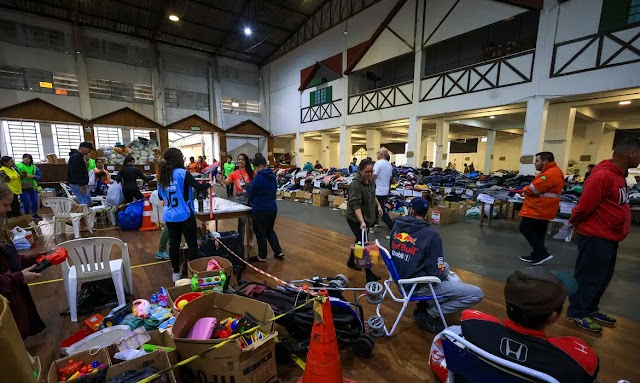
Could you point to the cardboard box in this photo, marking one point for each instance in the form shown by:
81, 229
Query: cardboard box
230, 363
338, 201
394, 214
163, 339
287, 195
444, 204
157, 359
326, 192
320, 200
17, 365
442, 216
61, 161
306, 197
87, 357
331, 198
199, 266
52, 158
460, 208
174, 293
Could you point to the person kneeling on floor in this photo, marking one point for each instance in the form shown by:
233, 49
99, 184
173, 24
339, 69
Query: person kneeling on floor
416, 250
534, 298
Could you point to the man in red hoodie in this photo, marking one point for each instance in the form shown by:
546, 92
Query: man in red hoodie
603, 219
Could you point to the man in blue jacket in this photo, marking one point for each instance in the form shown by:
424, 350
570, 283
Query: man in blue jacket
416, 250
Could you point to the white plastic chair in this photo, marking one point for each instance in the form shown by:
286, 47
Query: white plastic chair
402, 285
64, 208
104, 206
67, 190
476, 365
91, 261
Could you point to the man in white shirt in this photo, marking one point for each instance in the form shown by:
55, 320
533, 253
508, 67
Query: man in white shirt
382, 173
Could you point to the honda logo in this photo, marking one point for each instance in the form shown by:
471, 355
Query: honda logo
513, 350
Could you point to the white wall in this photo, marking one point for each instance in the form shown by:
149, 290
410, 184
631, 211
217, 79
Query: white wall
312, 152
509, 148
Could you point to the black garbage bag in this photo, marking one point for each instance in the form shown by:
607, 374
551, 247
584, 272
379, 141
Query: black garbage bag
94, 296
231, 239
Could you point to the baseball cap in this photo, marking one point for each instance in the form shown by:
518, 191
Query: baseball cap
87, 144
419, 204
535, 290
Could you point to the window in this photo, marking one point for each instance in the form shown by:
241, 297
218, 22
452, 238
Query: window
120, 91
35, 80
634, 12
23, 137
66, 138
394, 71
320, 96
240, 106
617, 14
107, 136
135, 133
186, 100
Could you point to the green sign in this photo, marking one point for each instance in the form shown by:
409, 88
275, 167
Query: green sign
195, 128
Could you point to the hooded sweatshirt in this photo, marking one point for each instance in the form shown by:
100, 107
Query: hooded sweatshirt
416, 249
77, 173
603, 210
262, 192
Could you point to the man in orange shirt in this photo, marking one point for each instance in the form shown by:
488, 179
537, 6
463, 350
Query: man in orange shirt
193, 165
541, 202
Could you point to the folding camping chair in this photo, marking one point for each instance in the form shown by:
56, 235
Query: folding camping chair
472, 364
403, 285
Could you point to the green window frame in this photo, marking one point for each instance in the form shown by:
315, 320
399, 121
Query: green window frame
320, 96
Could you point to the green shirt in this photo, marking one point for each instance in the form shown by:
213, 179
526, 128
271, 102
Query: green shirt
229, 167
30, 170
91, 164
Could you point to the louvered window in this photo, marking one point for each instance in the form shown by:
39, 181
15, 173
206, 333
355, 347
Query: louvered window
66, 138
107, 136
23, 137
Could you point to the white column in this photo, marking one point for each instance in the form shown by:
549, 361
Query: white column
373, 143
215, 101
606, 145
592, 142
424, 150
299, 149
491, 141
442, 144
292, 150
414, 141
157, 84
216, 148
345, 146
534, 129
559, 133
325, 150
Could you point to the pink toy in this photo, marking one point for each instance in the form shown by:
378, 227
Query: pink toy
203, 329
213, 265
141, 308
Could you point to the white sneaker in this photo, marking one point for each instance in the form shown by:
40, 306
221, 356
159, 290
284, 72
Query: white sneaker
176, 277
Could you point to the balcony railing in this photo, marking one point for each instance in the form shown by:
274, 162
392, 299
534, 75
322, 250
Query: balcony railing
320, 112
602, 50
504, 71
383, 98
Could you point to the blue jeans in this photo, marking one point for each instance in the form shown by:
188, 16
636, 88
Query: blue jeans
29, 199
83, 199
456, 296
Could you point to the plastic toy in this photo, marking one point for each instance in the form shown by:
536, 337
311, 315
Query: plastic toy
46, 260
160, 298
94, 322
71, 368
213, 265
184, 299
208, 284
82, 370
152, 347
203, 328
160, 313
116, 316
141, 308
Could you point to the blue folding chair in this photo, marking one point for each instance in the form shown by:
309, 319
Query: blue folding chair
402, 285
468, 363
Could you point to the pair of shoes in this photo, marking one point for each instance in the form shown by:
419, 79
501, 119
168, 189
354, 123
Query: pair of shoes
35, 216
354, 266
162, 255
279, 256
535, 261
429, 323
175, 277
257, 259
371, 277
586, 323
371, 231
602, 317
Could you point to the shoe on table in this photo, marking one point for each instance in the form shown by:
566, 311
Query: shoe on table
175, 277
535, 261
585, 323
162, 255
429, 323
602, 317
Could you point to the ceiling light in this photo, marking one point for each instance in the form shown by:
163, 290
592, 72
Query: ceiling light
174, 18
624, 103
483, 139
235, 104
247, 31
492, 117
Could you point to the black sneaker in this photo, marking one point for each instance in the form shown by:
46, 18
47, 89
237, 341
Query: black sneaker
371, 277
257, 259
535, 261
354, 266
429, 323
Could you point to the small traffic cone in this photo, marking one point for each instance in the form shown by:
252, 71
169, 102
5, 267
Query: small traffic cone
323, 357
147, 225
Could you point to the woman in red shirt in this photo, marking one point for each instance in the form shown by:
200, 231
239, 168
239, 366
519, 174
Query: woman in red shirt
241, 178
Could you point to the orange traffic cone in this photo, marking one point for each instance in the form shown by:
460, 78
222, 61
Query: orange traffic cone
147, 225
323, 357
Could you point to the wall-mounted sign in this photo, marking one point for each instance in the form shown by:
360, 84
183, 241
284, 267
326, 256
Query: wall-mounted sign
195, 128
44, 84
88, 129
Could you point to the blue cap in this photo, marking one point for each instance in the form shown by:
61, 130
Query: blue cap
419, 204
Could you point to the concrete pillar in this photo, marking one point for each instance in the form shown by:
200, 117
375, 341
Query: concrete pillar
490, 144
215, 101
373, 143
414, 141
157, 84
424, 150
534, 130
299, 152
442, 144
325, 149
216, 148
592, 142
345, 146
559, 133
606, 144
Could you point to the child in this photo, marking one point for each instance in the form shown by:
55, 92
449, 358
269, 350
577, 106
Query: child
101, 185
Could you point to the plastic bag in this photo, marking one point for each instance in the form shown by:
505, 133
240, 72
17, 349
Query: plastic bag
115, 196
366, 253
131, 217
22, 239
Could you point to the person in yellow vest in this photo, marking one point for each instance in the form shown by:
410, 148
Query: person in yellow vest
12, 178
30, 173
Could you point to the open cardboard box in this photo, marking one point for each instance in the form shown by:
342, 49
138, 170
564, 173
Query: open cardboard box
16, 363
199, 266
230, 363
442, 216
157, 359
173, 294
101, 356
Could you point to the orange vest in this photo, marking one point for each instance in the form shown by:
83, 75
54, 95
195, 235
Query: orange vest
542, 196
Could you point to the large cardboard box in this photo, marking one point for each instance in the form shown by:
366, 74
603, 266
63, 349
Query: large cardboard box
320, 198
174, 293
287, 195
338, 201
88, 357
460, 208
331, 198
157, 359
165, 341
297, 195
442, 216
15, 362
230, 363
199, 266
306, 197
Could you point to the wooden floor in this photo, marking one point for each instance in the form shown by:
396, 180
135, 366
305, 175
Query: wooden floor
312, 251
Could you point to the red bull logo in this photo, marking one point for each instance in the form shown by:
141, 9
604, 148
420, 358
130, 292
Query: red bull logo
404, 238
